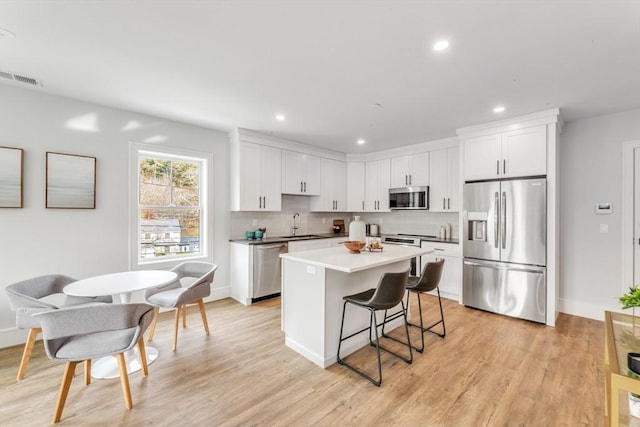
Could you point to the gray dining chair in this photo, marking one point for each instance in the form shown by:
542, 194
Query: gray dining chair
79, 334
36, 295
191, 286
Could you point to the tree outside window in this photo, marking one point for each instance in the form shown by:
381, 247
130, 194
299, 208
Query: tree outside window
169, 206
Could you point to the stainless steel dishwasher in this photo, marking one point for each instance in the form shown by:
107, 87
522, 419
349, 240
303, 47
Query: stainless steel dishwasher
267, 270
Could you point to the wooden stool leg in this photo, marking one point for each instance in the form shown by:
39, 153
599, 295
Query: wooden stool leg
142, 353
203, 313
184, 316
26, 354
69, 370
124, 380
87, 372
152, 329
175, 329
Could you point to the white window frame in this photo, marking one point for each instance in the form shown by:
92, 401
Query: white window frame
206, 160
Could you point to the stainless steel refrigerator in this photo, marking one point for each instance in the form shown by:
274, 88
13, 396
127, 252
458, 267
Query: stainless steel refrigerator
505, 254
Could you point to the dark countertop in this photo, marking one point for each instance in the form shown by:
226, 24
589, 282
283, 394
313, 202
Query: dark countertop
281, 239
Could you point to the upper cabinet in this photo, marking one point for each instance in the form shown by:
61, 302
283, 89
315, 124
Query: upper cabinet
515, 153
410, 170
355, 186
333, 187
300, 173
444, 179
255, 177
377, 184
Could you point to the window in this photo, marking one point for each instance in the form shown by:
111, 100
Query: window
171, 209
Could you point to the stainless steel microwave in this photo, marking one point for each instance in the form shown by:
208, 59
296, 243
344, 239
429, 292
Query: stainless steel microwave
409, 198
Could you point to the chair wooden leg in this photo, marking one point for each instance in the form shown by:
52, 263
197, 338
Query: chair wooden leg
26, 354
124, 380
175, 329
184, 316
142, 353
203, 313
69, 370
87, 372
152, 328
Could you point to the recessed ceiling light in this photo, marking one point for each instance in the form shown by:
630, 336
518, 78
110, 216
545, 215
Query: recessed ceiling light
6, 33
361, 141
280, 117
498, 109
441, 45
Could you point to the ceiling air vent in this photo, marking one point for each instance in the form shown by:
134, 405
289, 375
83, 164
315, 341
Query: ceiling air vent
19, 78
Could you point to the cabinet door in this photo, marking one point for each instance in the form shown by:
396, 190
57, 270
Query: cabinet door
524, 152
311, 175
453, 160
451, 281
270, 178
438, 180
399, 171
292, 166
384, 183
482, 157
355, 186
340, 185
250, 185
419, 169
371, 187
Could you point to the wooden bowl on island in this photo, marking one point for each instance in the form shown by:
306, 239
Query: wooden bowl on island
354, 246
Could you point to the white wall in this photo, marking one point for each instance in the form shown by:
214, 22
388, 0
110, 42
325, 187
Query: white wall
83, 243
591, 172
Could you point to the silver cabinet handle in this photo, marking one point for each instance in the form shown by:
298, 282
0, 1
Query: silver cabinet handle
504, 167
448, 203
301, 186
363, 209
409, 179
264, 202
496, 218
305, 186
497, 167
259, 202
443, 203
504, 220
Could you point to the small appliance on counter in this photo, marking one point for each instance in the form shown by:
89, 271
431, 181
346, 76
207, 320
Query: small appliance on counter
338, 226
373, 230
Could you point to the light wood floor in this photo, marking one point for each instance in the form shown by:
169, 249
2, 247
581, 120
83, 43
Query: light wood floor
489, 371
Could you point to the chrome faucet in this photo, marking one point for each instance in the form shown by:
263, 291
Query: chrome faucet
294, 228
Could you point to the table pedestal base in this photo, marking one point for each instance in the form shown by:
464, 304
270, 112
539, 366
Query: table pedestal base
107, 367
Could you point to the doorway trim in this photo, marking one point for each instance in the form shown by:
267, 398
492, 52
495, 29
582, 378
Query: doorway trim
627, 242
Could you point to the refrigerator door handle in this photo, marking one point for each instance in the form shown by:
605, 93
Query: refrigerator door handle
496, 219
503, 227
503, 267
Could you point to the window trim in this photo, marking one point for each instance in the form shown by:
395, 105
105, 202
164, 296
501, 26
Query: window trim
206, 160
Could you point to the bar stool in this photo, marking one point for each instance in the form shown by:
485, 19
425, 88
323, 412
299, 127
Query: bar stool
389, 293
427, 282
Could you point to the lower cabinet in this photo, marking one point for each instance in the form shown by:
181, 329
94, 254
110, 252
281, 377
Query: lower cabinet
451, 280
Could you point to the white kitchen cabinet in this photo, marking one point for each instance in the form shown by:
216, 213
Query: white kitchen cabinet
307, 245
444, 180
355, 186
378, 180
300, 173
333, 190
255, 177
410, 170
451, 281
515, 153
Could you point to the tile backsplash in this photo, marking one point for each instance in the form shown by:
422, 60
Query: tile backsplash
280, 223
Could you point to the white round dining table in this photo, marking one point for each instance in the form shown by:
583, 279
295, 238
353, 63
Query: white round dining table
120, 285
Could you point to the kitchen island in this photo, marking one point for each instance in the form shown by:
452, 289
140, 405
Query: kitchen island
313, 284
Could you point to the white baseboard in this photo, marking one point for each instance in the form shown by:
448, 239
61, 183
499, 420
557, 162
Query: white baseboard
588, 310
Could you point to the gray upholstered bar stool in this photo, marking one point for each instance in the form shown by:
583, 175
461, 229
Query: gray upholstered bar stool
388, 294
427, 282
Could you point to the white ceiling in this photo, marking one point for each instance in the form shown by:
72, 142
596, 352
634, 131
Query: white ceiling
325, 64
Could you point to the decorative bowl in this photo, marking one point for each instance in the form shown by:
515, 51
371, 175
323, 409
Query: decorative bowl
250, 235
354, 246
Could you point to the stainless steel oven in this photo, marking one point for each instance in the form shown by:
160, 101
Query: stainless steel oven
406, 240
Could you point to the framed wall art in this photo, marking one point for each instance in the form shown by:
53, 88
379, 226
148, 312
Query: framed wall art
11, 172
71, 181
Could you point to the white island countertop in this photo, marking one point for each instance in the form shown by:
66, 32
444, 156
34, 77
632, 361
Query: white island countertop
340, 259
